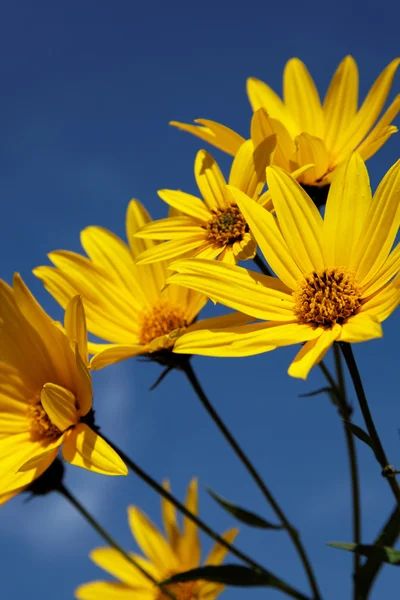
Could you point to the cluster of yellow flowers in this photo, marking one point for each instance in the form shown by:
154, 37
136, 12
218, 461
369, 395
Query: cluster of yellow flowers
330, 274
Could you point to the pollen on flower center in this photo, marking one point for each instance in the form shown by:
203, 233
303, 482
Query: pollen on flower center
41, 426
181, 591
227, 226
160, 319
328, 297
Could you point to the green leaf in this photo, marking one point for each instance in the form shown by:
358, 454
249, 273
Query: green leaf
384, 553
235, 575
243, 515
359, 433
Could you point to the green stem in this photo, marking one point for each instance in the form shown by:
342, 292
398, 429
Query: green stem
261, 265
369, 422
346, 412
107, 537
134, 467
293, 533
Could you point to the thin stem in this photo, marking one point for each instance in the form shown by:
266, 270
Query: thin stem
293, 533
346, 412
134, 467
387, 537
369, 422
107, 537
261, 265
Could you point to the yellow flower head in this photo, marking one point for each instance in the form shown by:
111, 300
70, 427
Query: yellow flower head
213, 227
124, 304
45, 393
337, 277
307, 130
166, 555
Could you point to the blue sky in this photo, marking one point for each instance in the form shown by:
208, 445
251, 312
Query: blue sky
88, 89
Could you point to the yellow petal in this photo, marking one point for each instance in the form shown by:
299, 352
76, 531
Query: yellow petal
169, 519
85, 448
46, 457
115, 353
341, 100
248, 168
105, 590
13, 423
151, 278
368, 150
84, 390
299, 220
117, 565
313, 352
301, 97
189, 544
311, 150
389, 269
263, 127
349, 201
59, 405
188, 204
150, 540
171, 249
368, 113
170, 228
218, 552
269, 238
360, 328
383, 303
382, 225
245, 249
252, 293
262, 96
75, 325
210, 181
245, 340
216, 134
381, 128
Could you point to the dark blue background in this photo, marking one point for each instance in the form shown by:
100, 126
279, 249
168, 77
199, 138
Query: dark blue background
87, 91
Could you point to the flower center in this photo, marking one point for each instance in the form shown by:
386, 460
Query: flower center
326, 298
160, 319
227, 226
181, 591
41, 426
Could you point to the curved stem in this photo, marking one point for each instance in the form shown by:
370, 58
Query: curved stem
369, 422
261, 265
107, 537
134, 467
293, 533
345, 412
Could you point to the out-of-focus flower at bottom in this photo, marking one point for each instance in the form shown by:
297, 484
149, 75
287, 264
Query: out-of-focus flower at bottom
176, 551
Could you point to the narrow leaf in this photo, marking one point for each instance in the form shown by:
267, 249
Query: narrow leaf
359, 433
235, 575
384, 553
243, 515
324, 390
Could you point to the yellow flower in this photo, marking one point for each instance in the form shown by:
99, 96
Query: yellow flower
165, 556
45, 393
308, 131
337, 279
124, 303
215, 227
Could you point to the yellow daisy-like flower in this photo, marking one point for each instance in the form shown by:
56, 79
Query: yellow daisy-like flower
45, 393
165, 556
213, 227
124, 304
337, 277
307, 130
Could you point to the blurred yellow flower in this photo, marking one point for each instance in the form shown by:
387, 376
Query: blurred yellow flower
167, 555
45, 393
124, 304
308, 131
213, 227
337, 277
